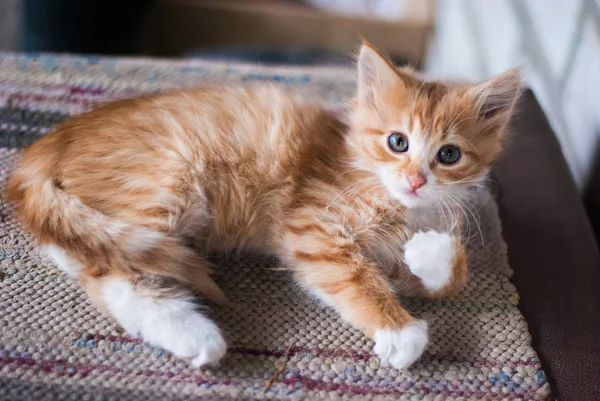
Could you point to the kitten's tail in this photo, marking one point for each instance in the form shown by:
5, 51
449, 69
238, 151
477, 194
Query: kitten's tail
102, 244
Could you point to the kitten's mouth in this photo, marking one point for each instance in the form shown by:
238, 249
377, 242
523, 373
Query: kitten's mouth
413, 194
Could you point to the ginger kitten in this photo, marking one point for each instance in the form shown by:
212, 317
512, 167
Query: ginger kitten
116, 195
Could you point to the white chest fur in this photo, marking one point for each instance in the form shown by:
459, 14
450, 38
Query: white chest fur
425, 219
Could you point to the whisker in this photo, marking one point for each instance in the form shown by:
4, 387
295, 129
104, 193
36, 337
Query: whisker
467, 206
344, 192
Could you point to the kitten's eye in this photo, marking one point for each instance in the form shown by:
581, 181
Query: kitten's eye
448, 154
398, 142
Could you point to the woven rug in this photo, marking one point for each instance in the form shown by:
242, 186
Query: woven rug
55, 345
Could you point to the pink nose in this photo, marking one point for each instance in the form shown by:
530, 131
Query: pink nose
416, 181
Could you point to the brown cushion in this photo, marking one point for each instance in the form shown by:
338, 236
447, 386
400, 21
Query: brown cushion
553, 253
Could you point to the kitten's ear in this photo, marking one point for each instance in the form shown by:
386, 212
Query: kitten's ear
497, 96
375, 73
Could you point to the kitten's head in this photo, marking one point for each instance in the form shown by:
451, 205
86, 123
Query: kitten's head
427, 141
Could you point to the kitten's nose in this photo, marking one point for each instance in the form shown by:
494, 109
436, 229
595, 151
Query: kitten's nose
417, 181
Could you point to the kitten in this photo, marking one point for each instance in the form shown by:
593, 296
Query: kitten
114, 195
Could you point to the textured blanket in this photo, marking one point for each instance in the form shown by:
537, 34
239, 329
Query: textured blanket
55, 345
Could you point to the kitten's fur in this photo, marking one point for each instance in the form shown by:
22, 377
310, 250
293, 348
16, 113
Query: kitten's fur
115, 195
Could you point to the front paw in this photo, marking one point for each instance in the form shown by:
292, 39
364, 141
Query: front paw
429, 256
401, 347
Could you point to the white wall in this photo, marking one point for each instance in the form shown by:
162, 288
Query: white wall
558, 42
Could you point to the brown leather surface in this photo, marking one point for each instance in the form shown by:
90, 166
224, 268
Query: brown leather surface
552, 250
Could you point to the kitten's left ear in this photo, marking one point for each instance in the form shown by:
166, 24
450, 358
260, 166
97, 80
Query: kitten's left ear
497, 96
375, 74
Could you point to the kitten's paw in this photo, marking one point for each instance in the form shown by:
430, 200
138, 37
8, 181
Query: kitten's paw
197, 339
429, 256
173, 324
211, 351
401, 347
187, 334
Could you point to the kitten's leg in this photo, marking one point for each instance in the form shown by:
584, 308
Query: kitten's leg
439, 262
336, 272
164, 316
64, 262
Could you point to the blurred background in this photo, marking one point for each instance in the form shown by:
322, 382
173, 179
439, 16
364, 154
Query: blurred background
557, 41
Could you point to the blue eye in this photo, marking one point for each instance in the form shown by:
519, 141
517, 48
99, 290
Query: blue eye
398, 142
448, 154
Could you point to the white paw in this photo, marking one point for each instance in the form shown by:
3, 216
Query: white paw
193, 337
170, 323
429, 256
401, 348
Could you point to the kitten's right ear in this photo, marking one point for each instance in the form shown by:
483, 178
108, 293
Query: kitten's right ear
375, 73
